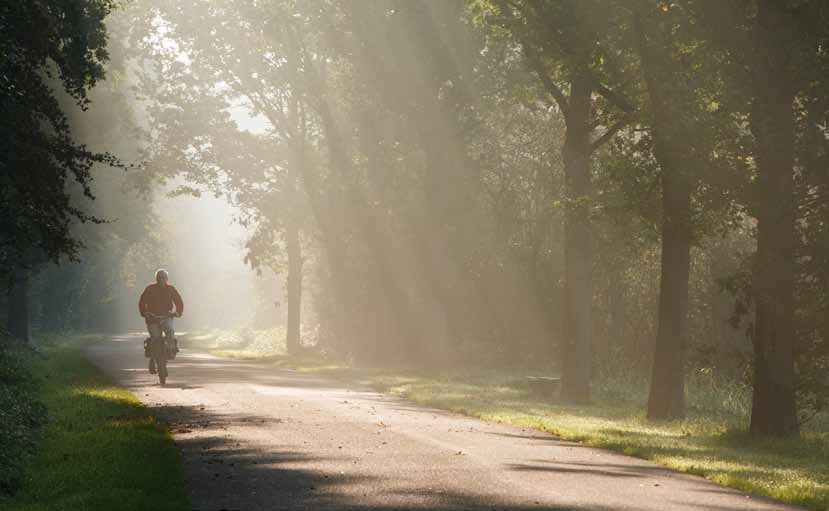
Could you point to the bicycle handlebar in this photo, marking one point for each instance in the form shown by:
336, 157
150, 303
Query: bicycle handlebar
170, 315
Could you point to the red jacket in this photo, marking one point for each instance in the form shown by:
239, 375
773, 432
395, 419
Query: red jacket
158, 299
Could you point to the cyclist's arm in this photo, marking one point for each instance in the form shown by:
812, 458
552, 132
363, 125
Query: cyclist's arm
142, 303
179, 303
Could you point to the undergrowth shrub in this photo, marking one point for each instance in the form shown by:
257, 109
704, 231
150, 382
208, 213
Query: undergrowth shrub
21, 415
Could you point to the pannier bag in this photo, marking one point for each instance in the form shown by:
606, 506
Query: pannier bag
172, 348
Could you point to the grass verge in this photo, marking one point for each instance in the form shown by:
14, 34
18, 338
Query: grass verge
244, 343
715, 446
712, 442
100, 448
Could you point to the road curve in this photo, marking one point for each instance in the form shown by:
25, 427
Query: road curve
254, 437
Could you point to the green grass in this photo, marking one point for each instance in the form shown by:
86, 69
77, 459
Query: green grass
100, 448
712, 442
715, 446
243, 343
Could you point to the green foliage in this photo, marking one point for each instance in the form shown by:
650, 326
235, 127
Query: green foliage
96, 292
44, 47
21, 416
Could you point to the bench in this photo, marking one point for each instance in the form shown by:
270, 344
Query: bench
544, 386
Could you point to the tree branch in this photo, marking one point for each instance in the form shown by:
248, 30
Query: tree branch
536, 65
610, 133
534, 61
613, 96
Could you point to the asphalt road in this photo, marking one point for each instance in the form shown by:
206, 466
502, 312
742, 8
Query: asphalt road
254, 437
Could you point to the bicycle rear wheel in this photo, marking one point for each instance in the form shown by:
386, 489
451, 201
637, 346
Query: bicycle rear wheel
162, 371
159, 353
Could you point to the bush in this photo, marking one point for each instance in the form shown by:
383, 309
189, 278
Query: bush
21, 415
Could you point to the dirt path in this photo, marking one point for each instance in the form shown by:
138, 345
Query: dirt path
258, 438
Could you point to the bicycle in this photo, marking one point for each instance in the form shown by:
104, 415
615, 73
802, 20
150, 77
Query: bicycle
159, 349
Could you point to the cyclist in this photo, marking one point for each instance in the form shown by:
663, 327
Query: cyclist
158, 299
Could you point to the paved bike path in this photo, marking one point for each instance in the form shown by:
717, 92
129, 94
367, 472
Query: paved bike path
254, 437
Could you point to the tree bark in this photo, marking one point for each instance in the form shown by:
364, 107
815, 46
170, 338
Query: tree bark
19, 321
667, 390
772, 123
328, 213
576, 352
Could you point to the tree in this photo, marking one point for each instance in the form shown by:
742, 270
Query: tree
773, 53
668, 99
44, 46
562, 42
812, 185
97, 291
779, 48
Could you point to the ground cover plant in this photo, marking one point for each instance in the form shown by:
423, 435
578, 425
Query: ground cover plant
21, 415
100, 448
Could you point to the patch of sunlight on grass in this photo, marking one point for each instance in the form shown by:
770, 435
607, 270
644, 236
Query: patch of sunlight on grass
710, 444
242, 343
240, 354
111, 394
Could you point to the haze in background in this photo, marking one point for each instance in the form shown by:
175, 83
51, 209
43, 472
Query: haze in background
206, 260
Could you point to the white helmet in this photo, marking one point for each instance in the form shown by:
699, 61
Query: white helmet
161, 274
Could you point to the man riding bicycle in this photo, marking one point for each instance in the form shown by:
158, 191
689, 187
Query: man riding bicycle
156, 307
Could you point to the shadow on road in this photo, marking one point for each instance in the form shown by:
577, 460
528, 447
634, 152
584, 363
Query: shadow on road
270, 438
226, 475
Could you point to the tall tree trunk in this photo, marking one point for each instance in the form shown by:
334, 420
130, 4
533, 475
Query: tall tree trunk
667, 390
19, 322
293, 341
328, 212
294, 285
450, 178
576, 356
324, 208
772, 123
356, 211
